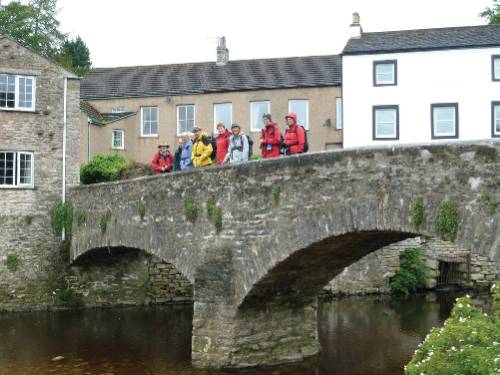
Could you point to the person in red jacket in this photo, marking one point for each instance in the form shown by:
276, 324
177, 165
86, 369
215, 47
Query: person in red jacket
295, 138
270, 138
222, 143
163, 160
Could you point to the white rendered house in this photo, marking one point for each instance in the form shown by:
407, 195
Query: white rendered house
421, 86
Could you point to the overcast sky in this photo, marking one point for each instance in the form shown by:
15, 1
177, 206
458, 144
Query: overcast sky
146, 32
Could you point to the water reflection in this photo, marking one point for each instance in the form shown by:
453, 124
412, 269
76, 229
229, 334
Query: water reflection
367, 335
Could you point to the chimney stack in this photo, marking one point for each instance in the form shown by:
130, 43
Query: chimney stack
222, 52
355, 28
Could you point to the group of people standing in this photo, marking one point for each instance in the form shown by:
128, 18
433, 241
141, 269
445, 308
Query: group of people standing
198, 150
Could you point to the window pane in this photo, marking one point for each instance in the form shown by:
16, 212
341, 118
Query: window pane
384, 73
25, 168
258, 109
385, 121
154, 114
182, 113
223, 113
25, 92
190, 112
339, 113
300, 107
496, 64
444, 121
497, 119
117, 139
6, 168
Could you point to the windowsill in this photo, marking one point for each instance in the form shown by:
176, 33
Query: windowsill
17, 188
437, 137
149, 136
495, 136
117, 149
384, 84
18, 110
386, 139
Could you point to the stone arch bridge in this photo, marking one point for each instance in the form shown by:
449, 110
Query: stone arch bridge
288, 227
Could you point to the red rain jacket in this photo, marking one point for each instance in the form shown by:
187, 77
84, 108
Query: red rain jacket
159, 161
270, 135
222, 142
294, 136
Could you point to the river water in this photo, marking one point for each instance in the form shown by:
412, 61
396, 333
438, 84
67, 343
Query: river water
362, 335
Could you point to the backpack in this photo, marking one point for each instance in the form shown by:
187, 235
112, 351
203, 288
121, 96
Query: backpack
250, 145
212, 141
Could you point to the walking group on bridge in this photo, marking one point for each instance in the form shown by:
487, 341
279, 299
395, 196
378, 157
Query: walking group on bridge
198, 149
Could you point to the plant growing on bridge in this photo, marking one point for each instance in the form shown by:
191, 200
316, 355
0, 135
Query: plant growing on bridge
417, 212
214, 214
446, 223
11, 262
276, 192
412, 274
68, 298
466, 344
190, 209
80, 215
28, 219
141, 210
103, 223
61, 215
488, 201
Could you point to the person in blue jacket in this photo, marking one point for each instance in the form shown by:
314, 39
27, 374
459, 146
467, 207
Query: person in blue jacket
186, 151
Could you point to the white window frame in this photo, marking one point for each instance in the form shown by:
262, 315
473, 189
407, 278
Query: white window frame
339, 112
157, 122
494, 77
118, 109
394, 80
194, 115
113, 131
434, 134
290, 101
395, 135
228, 126
17, 170
17, 93
252, 114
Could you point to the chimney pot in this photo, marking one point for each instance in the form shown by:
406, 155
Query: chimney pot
222, 52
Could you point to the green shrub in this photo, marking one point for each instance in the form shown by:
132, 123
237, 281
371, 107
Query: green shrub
447, 221
488, 201
190, 209
141, 210
255, 157
468, 344
61, 216
214, 214
276, 192
68, 298
103, 168
11, 262
417, 212
103, 222
412, 273
80, 215
28, 219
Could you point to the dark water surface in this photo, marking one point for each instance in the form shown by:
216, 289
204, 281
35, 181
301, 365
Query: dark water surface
368, 336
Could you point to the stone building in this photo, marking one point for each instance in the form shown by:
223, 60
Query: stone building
39, 153
130, 110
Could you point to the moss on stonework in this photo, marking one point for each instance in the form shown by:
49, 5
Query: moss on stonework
141, 210
12, 262
417, 212
489, 202
103, 223
446, 224
276, 192
190, 209
214, 214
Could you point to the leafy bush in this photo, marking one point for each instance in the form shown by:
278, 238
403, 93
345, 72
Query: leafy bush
417, 212
11, 262
466, 345
447, 221
61, 215
68, 298
412, 273
190, 209
103, 168
134, 169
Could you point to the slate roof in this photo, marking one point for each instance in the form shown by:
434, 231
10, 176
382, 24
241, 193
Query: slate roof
425, 39
207, 77
99, 118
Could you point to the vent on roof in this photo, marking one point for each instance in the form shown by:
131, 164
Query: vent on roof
222, 52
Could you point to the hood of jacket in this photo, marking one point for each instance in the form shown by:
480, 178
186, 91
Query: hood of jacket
293, 116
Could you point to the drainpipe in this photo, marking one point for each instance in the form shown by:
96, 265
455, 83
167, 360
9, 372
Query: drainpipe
63, 198
89, 123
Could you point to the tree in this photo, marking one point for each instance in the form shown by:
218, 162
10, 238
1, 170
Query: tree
75, 55
492, 14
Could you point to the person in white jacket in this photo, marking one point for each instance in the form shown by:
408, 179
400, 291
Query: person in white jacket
238, 146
